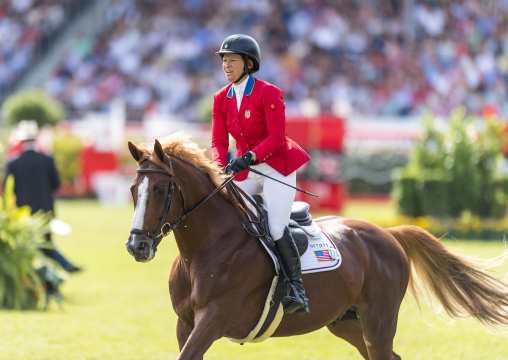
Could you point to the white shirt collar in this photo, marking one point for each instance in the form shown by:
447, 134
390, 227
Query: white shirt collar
239, 90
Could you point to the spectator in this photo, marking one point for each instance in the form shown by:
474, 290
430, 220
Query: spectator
25, 27
347, 54
374, 57
35, 182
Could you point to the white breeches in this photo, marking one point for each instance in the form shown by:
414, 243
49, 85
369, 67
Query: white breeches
278, 198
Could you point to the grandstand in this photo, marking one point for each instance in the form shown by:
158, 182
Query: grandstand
27, 30
375, 57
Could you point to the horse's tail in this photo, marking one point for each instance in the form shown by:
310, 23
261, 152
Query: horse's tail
461, 287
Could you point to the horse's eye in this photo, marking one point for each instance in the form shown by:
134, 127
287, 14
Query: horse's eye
159, 190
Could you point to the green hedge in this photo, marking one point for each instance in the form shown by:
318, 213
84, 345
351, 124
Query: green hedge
454, 171
435, 194
407, 193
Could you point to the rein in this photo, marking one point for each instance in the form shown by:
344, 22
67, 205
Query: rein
167, 227
282, 182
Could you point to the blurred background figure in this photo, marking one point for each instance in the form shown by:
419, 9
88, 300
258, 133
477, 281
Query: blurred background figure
35, 182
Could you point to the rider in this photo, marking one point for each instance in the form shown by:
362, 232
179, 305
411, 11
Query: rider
252, 111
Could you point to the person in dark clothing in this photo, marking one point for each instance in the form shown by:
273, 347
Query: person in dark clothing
35, 182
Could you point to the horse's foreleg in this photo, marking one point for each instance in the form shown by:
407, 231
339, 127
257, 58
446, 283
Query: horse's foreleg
201, 337
183, 331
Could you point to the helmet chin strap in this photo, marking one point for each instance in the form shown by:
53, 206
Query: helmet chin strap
245, 71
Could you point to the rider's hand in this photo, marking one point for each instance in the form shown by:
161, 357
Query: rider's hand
240, 163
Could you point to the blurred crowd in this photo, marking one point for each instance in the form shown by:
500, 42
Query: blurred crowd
26, 27
383, 57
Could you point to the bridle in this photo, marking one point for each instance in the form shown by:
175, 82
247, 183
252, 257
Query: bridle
167, 227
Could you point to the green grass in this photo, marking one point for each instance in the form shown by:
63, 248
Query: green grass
120, 309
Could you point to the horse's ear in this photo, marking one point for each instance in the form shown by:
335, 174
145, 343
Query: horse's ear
135, 152
162, 156
157, 148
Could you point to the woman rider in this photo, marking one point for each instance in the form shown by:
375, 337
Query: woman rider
252, 111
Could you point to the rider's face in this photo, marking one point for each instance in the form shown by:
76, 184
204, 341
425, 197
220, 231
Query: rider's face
232, 64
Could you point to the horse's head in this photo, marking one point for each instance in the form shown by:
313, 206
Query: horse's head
152, 193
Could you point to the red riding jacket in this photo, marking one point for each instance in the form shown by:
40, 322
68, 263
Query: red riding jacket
258, 126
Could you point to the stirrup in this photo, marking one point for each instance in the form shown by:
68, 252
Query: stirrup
291, 305
296, 301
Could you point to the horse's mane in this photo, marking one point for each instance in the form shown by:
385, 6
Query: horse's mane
181, 147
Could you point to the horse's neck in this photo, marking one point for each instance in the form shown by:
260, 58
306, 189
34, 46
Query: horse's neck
202, 230
197, 232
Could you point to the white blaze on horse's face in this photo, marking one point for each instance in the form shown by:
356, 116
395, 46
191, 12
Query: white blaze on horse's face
139, 212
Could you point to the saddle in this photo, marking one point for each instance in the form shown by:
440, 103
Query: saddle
300, 217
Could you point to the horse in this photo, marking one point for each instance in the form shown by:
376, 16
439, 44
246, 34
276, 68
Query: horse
220, 279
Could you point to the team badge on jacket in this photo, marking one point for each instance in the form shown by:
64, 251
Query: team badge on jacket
247, 114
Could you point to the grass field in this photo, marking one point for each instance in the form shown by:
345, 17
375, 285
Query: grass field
118, 309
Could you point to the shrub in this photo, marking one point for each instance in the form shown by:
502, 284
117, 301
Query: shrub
406, 193
428, 152
492, 194
33, 105
20, 233
455, 172
3, 149
460, 164
435, 197
67, 150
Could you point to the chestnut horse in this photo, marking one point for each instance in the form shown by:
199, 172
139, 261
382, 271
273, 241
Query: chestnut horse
220, 280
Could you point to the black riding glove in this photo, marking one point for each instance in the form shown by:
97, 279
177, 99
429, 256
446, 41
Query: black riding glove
240, 163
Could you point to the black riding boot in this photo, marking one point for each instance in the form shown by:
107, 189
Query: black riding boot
296, 300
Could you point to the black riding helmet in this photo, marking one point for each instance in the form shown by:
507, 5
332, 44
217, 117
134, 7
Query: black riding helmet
244, 45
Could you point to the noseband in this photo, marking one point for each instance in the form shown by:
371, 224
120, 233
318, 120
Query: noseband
167, 227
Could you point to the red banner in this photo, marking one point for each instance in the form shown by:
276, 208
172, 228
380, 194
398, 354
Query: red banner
331, 196
325, 132
93, 161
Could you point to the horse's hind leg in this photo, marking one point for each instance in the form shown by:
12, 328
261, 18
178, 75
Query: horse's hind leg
378, 327
351, 331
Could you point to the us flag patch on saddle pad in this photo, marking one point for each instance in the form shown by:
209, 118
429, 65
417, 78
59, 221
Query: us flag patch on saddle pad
321, 254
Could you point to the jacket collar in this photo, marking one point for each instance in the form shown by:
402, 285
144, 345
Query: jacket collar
248, 88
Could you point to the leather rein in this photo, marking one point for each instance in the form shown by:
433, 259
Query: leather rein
167, 227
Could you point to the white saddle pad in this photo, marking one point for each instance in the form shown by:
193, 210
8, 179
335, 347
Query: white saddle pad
321, 254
